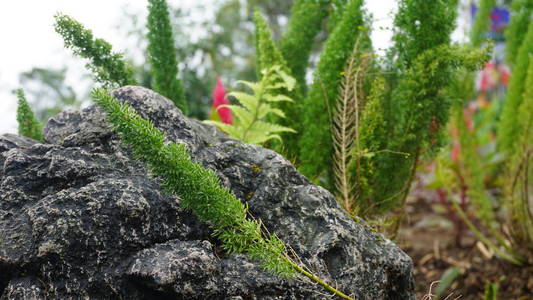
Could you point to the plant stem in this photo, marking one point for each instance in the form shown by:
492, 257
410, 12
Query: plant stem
316, 279
512, 258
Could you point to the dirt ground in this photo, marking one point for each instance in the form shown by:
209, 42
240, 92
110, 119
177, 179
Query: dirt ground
430, 238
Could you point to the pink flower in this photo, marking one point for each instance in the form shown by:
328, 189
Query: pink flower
219, 98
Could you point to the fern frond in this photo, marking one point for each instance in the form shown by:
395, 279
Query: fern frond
251, 123
345, 125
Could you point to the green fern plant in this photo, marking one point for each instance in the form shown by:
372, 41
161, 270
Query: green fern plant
28, 125
250, 124
201, 192
109, 68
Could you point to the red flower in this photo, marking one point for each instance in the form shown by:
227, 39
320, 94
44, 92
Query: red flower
219, 98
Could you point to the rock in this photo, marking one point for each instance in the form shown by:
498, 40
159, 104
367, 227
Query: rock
79, 218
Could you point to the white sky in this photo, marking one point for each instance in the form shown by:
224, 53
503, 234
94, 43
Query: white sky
28, 38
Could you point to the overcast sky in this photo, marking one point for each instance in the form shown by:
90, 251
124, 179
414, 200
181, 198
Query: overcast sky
28, 39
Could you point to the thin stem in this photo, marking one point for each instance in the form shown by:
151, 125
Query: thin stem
316, 279
512, 258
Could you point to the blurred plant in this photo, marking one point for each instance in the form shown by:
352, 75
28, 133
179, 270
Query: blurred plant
508, 130
250, 124
482, 21
162, 54
49, 94
475, 162
28, 125
109, 68
296, 45
521, 11
218, 111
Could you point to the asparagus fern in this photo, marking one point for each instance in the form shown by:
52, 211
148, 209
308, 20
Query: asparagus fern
28, 125
162, 54
109, 68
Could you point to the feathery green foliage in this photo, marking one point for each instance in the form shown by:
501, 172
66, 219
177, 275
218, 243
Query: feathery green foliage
522, 14
250, 124
267, 54
109, 68
519, 179
297, 42
421, 93
421, 25
28, 124
416, 108
162, 54
508, 127
199, 188
200, 191
482, 22
316, 145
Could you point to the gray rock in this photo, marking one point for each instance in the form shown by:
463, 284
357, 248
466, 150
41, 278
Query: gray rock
79, 218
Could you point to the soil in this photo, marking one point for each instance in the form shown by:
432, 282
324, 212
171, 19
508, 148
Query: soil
430, 236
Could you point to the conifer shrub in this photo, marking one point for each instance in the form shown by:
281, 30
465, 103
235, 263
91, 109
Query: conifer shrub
200, 191
109, 68
162, 54
28, 125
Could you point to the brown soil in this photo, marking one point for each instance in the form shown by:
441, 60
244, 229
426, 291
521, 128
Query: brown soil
430, 238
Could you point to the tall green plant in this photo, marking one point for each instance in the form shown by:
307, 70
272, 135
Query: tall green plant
316, 145
109, 68
508, 127
482, 22
200, 191
521, 12
297, 43
421, 93
417, 107
162, 54
268, 56
28, 125
519, 179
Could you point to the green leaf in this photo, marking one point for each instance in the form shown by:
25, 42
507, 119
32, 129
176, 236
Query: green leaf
248, 101
277, 98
